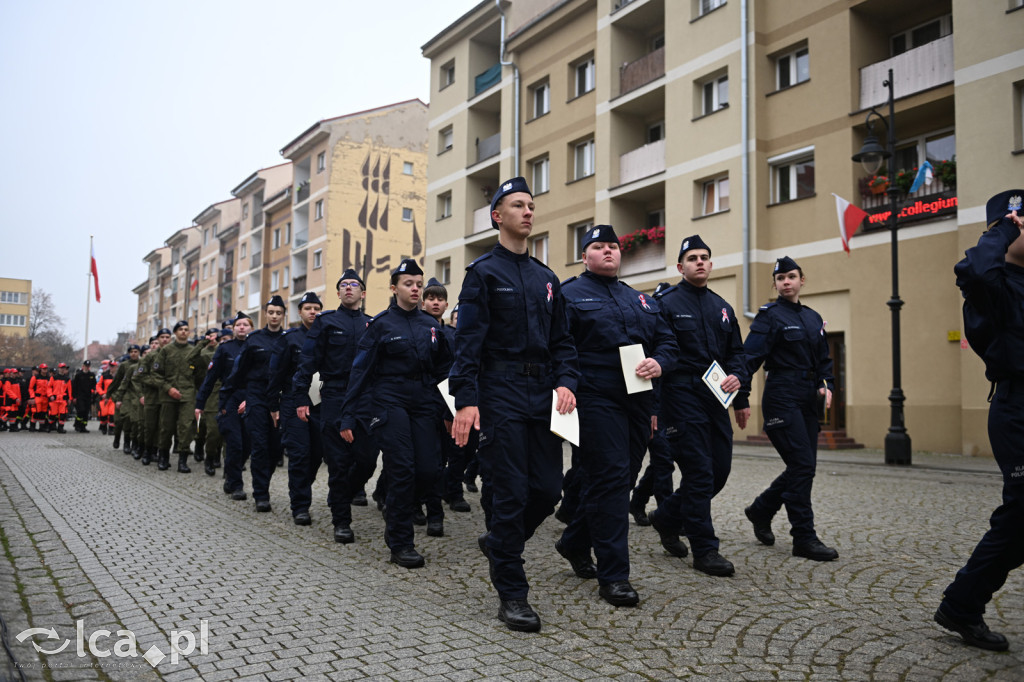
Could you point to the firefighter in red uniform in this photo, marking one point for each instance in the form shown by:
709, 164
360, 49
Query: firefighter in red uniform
11, 400
39, 398
60, 397
105, 410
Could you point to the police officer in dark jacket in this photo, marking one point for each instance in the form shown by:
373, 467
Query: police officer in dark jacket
247, 384
512, 349
236, 439
399, 361
82, 387
696, 425
605, 314
300, 438
329, 349
991, 278
789, 339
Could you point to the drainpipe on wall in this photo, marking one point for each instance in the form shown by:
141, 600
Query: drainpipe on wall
745, 155
515, 93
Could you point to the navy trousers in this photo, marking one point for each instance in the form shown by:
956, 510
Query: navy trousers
349, 466
236, 447
305, 452
266, 448
657, 478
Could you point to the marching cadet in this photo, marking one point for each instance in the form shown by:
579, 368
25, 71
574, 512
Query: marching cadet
512, 349
247, 385
83, 386
208, 438
696, 425
605, 314
150, 385
173, 372
301, 439
123, 409
789, 338
105, 405
229, 423
991, 278
399, 362
60, 395
39, 397
329, 349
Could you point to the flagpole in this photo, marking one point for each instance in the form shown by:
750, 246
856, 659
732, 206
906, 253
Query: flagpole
88, 293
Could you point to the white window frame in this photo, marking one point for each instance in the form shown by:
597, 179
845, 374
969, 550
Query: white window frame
407, 168
583, 159
945, 28
321, 162
444, 205
444, 270
579, 232
714, 94
241, 288
318, 259
206, 236
713, 189
446, 139
288, 233
791, 67
584, 77
318, 209
285, 275
242, 249
540, 175
447, 74
275, 280
787, 163
407, 215
541, 98
539, 248
707, 6
277, 238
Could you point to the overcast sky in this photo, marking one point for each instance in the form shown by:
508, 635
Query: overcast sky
124, 120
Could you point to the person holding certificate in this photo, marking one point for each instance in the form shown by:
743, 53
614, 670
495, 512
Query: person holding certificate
789, 339
695, 418
605, 315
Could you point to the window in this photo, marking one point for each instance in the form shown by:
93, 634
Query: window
13, 297
241, 250
792, 175
922, 34
444, 270
206, 269
202, 307
539, 248
445, 138
792, 68
12, 320
936, 147
206, 236
285, 276
447, 74
705, 6
584, 79
277, 237
444, 205
321, 162
407, 215
318, 259
275, 280
288, 233
541, 99
214, 229
241, 288
245, 210
318, 211
541, 180
407, 168
714, 95
715, 196
584, 160
578, 233
656, 132
656, 218
1018, 113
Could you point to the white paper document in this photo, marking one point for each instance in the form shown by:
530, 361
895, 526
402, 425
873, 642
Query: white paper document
314, 389
713, 378
566, 426
449, 399
631, 356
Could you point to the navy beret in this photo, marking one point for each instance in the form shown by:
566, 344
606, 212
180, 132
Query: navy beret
1002, 204
350, 274
241, 316
179, 324
408, 266
512, 186
785, 264
276, 300
690, 243
310, 297
164, 330
599, 233
225, 332
212, 330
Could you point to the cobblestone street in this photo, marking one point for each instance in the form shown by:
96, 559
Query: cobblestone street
90, 535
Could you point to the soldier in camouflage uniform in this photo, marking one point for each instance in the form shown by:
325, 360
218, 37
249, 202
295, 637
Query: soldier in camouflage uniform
151, 399
173, 374
122, 420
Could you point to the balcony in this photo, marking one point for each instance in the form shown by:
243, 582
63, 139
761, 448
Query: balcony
913, 71
488, 147
299, 284
641, 72
642, 162
254, 300
487, 79
302, 192
482, 219
256, 261
300, 239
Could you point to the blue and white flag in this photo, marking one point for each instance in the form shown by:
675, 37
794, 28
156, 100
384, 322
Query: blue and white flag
925, 174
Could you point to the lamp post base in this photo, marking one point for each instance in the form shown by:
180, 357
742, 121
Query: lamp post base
897, 448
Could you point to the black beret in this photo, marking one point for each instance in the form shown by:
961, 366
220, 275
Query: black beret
785, 264
179, 324
694, 242
240, 316
276, 300
310, 297
134, 346
87, 363
212, 330
408, 266
509, 187
600, 233
350, 274
164, 330
226, 332
1002, 204
145, 347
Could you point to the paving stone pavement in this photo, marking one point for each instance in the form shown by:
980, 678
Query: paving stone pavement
90, 535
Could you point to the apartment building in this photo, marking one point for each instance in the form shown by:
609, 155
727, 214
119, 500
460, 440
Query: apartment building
218, 238
15, 304
737, 120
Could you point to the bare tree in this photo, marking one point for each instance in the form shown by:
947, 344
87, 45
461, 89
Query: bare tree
42, 315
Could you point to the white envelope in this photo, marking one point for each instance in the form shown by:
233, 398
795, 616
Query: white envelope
314, 389
713, 378
449, 399
565, 426
631, 356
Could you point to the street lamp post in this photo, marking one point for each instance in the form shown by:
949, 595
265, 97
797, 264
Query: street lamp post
871, 155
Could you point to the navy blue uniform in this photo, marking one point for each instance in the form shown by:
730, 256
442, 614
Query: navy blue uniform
329, 349
400, 360
300, 439
512, 349
248, 383
229, 422
994, 323
789, 339
695, 424
604, 314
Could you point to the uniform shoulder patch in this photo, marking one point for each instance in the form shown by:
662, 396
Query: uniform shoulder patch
766, 306
377, 316
664, 291
479, 260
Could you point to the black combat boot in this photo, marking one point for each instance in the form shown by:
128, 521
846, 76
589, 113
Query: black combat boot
183, 465
145, 455
163, 460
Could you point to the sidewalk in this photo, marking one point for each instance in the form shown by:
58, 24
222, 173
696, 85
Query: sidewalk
91, 535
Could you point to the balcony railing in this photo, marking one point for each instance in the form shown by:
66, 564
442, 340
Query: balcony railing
481, 219
299, 284
913, 71
487, 79
642, 162
256, 260
300, 240
642, 71
870, 200
488, 147
302, 192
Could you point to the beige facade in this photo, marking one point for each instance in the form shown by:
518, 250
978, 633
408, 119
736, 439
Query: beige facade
634, 113
217, 239
359, 183
15, 304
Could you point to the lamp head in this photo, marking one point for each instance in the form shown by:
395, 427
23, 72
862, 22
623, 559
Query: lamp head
871, 154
